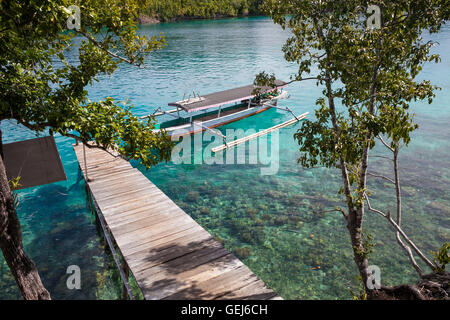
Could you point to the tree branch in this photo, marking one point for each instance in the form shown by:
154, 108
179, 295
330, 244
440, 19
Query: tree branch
343, 212
402, 233
33, 126
97, 44
417, 250
299, 80
365, 100
410, 254
385, 144
399, 213
381, 176
92, 146
373, 209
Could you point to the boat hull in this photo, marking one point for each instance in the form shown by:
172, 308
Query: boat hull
193, 128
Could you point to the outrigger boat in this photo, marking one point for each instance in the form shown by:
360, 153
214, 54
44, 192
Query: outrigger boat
200, 113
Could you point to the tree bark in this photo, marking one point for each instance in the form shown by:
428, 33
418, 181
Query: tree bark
398, 195
355, 216
21, 266
354, 226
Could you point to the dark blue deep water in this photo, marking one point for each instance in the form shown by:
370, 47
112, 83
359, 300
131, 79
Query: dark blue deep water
274, 223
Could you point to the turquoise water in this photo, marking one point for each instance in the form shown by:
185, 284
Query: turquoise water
273, 223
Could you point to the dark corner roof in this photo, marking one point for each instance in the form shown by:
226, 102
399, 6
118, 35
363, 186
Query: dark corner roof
35, 161
224, 97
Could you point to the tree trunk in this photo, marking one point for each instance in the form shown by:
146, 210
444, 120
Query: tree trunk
355, 216
354, 225
21, 266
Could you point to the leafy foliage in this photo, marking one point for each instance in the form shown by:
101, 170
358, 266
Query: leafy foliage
442, 257
369, 79
371, 73
170, 9
42, 89
361, 294
261, 80
368, 245
14, 184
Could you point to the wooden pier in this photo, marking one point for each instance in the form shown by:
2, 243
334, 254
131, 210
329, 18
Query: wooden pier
169, 254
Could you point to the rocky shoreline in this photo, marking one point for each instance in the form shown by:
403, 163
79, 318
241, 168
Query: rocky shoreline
144, 19
433, 286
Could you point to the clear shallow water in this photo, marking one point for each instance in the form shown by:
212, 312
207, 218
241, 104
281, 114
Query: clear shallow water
273, 223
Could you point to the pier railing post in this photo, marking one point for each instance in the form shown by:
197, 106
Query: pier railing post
126, 270
85, 164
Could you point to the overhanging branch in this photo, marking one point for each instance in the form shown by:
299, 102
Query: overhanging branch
112, 54
385, 144
90, 145
381, 176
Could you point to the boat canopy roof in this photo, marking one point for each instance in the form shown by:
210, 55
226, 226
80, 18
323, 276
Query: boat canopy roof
224, 97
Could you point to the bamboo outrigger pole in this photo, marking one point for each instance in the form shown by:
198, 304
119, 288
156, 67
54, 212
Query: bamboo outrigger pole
259, 134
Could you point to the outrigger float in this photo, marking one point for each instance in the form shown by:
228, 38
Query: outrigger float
204, 113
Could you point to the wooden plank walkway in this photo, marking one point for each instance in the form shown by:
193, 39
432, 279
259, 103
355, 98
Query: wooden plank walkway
169, 254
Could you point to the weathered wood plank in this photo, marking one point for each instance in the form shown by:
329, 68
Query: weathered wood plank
125, 193
138, 213
215, 287
153, 257
169, 254
143, 235
142, 220
171, 244
167, 286
114, 178
253, 291
146, 243
169, 281
185, 262
139, 202
153, 228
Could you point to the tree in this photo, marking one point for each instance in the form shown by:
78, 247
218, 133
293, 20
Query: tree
371, 73
170, 9
42, 90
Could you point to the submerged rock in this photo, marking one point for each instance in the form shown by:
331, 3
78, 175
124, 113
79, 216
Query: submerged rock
251, 212
192, 196
408, 191
444, 233
242, 253
439, 207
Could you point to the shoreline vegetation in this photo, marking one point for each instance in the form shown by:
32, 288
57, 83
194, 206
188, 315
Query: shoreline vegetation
154, 11
149, 20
